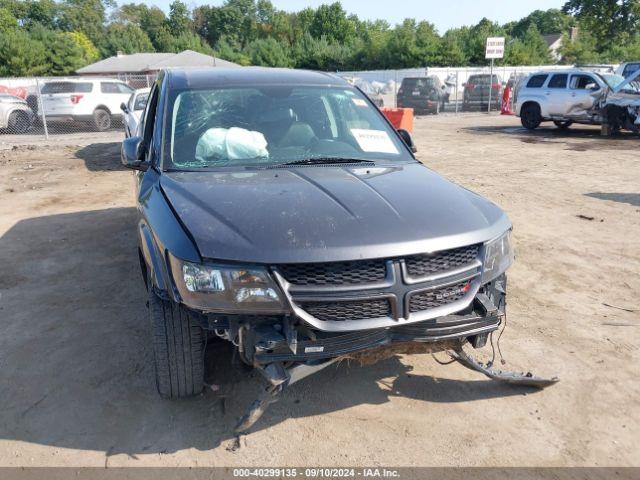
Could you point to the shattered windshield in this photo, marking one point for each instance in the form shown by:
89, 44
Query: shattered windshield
275, 125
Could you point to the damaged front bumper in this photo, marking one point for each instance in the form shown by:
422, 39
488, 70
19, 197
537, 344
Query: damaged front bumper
265, 340
286, 349
268, 348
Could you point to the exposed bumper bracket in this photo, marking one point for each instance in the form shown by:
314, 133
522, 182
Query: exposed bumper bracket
279, 378
513, 378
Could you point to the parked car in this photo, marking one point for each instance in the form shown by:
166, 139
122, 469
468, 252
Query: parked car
628, 68
278, 210
579, 96
423, 94
133, 110
93, 101
15, 114
477, 90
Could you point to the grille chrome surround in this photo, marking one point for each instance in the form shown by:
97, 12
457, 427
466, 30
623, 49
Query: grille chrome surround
397, 299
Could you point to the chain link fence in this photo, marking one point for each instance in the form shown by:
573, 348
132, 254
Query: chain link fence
458, 89
68, 107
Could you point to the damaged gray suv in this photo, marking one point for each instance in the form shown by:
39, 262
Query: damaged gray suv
280, 211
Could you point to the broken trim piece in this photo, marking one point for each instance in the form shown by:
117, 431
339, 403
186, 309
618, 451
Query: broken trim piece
513, 378
277, 384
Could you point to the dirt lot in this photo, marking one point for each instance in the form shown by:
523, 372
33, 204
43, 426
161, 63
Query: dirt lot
76, 381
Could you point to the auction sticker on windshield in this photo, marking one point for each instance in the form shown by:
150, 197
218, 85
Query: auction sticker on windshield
374, 141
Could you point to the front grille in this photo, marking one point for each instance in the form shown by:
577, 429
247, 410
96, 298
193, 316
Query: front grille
438, 262
348, 310
335, 273
438, 297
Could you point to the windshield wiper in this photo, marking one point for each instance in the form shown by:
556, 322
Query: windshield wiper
326, 161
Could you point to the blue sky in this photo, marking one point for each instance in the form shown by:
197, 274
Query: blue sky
443, 13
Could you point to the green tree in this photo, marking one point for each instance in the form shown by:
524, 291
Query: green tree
7, 21
452, 52
530, 50
87, 16
609, 21
320, 54
374, 37
43, 12
476, 40
229, 52
130, 13
331, 22
269, 52
581, 51
546, 21
89, 51
125, 38
179, 21
20, 55
189, 41
153, 23
30, 12
427, 43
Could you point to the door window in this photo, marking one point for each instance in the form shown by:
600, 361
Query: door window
582, 82
536, 81
109, 87
149, 116
66, 87
124, 88
559, 80
141, 101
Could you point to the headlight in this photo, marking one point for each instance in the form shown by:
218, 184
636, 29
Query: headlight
498, 256
226, 288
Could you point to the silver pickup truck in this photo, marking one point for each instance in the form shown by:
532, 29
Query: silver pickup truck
580, 96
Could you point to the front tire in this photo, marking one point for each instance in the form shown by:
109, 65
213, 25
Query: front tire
101, 119
18, 122
530, 116
178, 347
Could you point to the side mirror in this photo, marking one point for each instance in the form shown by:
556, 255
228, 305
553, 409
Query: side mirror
123, 107
464, 84
406, 138
593, 87
132, 154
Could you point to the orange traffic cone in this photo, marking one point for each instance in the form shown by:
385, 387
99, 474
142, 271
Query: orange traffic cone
506, 102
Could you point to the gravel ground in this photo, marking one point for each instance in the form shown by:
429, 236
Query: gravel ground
76, 379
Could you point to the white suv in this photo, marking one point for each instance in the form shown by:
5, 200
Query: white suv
92, 100
560, 96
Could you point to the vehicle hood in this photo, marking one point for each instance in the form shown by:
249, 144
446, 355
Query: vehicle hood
320, 213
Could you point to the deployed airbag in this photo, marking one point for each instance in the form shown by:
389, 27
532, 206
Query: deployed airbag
230, 144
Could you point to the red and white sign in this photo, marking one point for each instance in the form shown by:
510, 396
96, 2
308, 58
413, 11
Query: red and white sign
495, 47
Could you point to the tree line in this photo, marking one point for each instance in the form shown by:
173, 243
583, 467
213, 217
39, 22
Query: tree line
49, 37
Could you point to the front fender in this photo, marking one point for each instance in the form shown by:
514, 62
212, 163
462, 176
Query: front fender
160, 232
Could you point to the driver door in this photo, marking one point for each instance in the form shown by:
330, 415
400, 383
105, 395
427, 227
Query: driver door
582, 87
